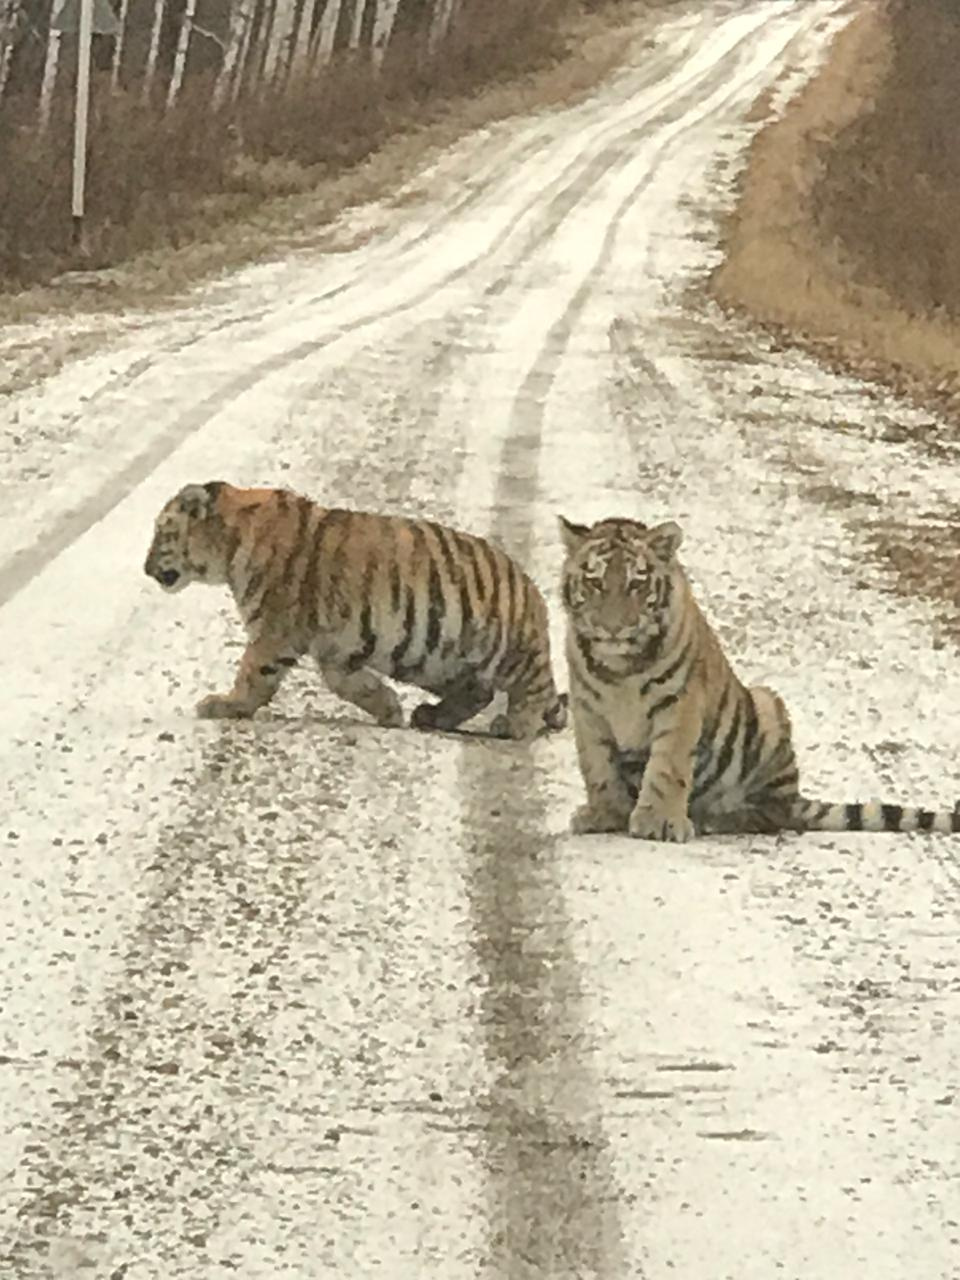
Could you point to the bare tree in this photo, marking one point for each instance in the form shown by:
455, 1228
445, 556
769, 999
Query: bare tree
118, 45
244, 56
300, 56
383, 20
9, 18
6, 57
153, 52
442, 14
49, 81
180, 57
260, 41
356, 27
265, 40
241, 21
327, 31
279, 39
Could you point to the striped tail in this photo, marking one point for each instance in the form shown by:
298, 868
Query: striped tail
815, 815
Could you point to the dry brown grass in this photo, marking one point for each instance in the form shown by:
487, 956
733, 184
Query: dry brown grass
149, 177
922, 556
798, 248
844, 241
170, 204
890, 185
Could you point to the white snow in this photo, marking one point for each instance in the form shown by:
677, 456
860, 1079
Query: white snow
520, 331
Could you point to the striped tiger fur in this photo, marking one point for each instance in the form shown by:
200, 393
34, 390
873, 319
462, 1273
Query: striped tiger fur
669, 742
362, 593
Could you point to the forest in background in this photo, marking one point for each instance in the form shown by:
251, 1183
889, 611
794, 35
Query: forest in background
202, 108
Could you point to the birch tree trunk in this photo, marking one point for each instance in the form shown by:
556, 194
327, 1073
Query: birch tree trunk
6, 57
300, 58
442, 14
49, 82
356, 30
241, 20
327, 31
245, 43
118, 45
153, 52
260, 41
9, 17
383, 20
279, 38
180, 57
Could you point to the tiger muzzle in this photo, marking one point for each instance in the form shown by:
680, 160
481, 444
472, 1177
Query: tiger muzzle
166, 577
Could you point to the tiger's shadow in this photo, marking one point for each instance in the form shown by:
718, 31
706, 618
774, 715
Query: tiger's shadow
270, 720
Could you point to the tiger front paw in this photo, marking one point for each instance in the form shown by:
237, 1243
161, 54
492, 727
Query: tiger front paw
555, 718
423, 717
588, 820
648, 823
390, 715
220, 706
500, 727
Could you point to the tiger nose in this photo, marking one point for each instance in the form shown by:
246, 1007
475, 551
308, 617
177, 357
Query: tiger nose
166, 577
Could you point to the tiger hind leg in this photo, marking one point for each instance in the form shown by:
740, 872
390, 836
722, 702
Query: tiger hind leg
366, 691
748, 821
460, 702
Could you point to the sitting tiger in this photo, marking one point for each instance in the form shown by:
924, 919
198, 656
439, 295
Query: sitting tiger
670, 743
362, 593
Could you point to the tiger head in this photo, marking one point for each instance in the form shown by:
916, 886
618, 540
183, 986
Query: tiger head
618, 580
188, 540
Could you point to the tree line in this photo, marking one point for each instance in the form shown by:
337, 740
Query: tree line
239, 46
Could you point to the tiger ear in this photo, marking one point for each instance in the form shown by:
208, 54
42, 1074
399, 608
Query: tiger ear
572, 534
197, 500
664, 539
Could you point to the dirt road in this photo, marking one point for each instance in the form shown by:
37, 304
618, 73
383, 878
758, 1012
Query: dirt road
308, 998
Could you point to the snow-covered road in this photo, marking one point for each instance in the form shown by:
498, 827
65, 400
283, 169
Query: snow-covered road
308, 998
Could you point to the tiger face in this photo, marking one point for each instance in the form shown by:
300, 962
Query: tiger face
187, 540
618, 580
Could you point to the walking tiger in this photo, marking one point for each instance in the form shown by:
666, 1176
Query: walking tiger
363, 593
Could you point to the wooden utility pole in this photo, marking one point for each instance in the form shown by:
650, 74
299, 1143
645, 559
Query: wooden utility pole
81, 112
84, 17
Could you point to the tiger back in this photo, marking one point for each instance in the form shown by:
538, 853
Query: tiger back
669, 741
364, 593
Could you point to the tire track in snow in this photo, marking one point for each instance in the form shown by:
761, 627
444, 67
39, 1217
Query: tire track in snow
155, 1015
522, 946
25, 563
390, 245
152, 1138
627, 334
395, 244
552, 1179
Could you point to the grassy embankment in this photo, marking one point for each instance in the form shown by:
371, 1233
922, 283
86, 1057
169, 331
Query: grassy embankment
846, 235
